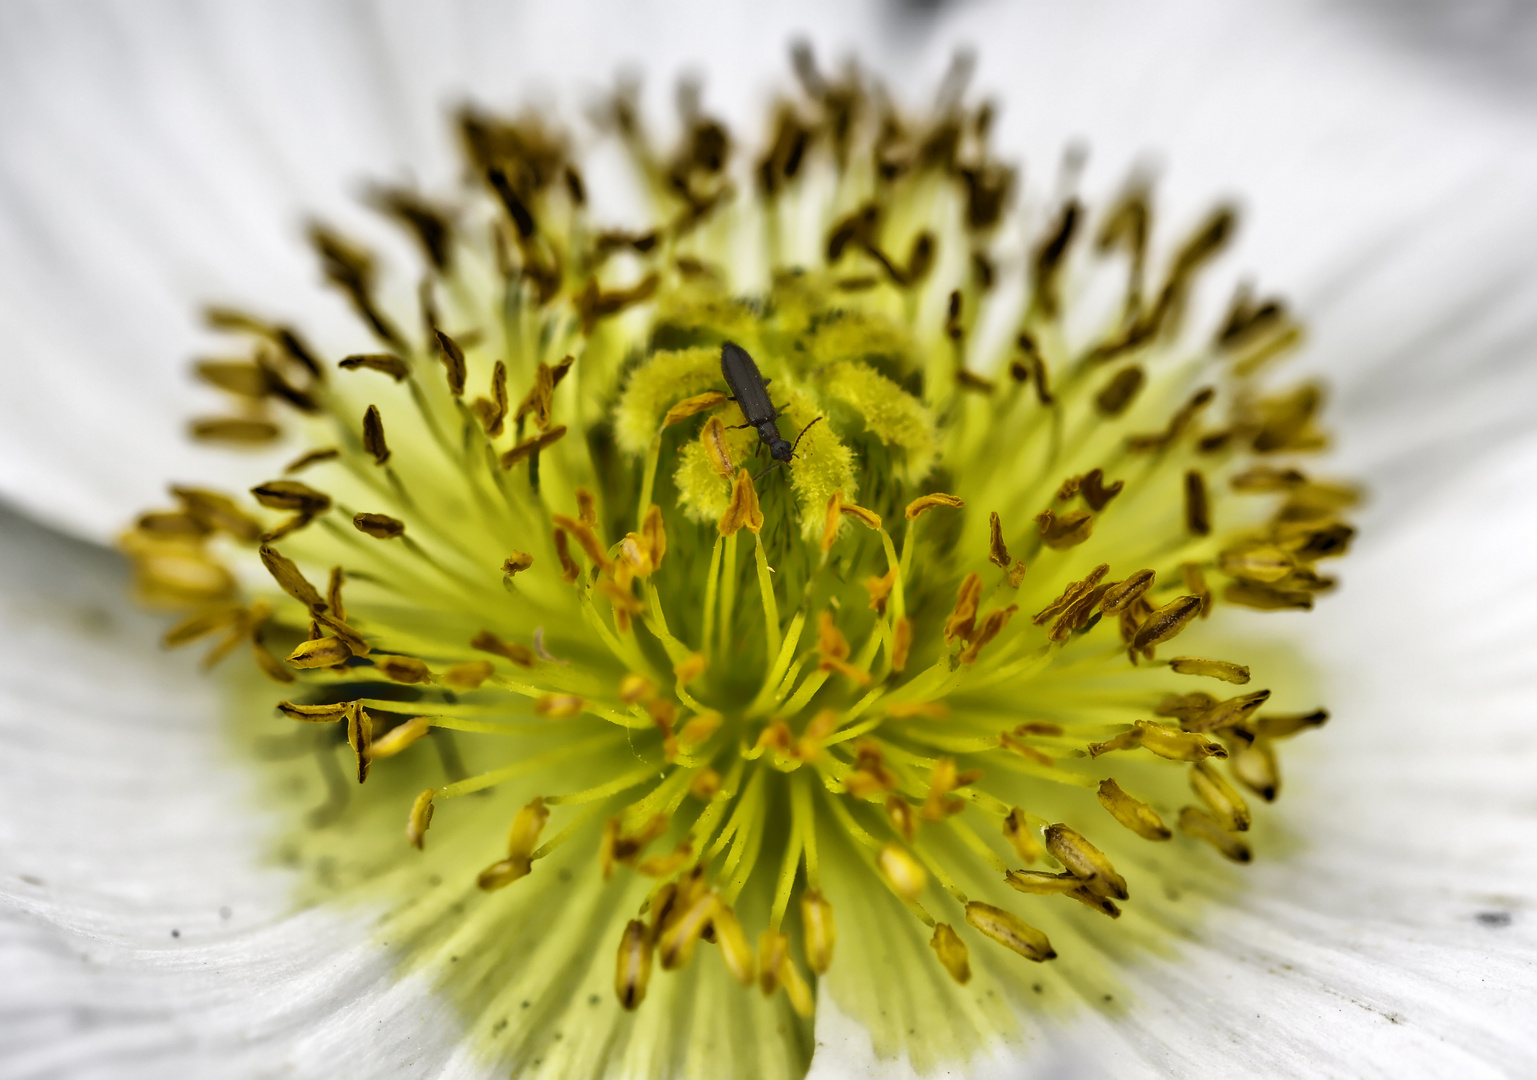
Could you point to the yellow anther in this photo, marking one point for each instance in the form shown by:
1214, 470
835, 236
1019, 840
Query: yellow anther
817, 729
924, 503
952, 952
373, 435
693, 406
1201, 825
523, 835
870, 775
1017, 573
420, 819
879, 589
586, 508
713, 439
943, 779
1085, 861
316, 714
1280, 726
833, 521
1135, 814
633, 688
1175, 745
1071, 595
1042, 883
820, 928
833, 648
796, 988
689, 668
1255, 767
1212, 669
503, 873
486, 641
734, 949
676, 945
997, 552
636, 554
658, 866
469, 675
1263, 563
777, 737
903, 873
743, 509
1122, 595
559, 706
1025, 750
289, 579
632, 968
320, 652
1226, 805
1166, 622
773, 950
360, 736
1010, 931
399, 737
1021, 837
903, 710
868, 518
901, 643
900, 813
705, 784
402, 669
334, 593
962, 620
517, 562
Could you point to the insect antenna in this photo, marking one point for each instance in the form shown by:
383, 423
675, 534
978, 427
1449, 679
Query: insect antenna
801, 436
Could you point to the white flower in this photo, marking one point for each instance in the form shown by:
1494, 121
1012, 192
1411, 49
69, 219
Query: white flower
157, 158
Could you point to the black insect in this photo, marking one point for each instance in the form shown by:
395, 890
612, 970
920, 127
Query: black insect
750, 390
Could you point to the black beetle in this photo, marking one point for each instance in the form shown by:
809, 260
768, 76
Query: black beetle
750, 390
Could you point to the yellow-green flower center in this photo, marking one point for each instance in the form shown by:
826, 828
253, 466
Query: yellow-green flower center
952, 671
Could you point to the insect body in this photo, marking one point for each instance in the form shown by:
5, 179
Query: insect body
749, 389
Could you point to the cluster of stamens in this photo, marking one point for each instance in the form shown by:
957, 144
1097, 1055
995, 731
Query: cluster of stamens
911, 649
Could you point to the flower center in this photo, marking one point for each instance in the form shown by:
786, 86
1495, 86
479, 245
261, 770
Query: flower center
824, 565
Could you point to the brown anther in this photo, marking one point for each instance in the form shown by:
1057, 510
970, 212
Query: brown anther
698, 730
503, 873
900, 813
519, 654
1166, 622
1197, 505
901, 643
676, 944
1177, 424
868, 518
569, 570
379, 526
291, 495
1009, 931
312, 457
218, 512
1129, 739
586, 536
870, 775
316, 714
334, 593
1075, 591
1255, 768
632, 968
402, 669
1200, 825
1121, 596
693, 406
420, 819
1224, 715
373, 435
943, 779
200, 625
952, 952
236, 430
1185, 707
962, 621
492, 411
559, 706
776, 737
1135, 814
992, 625
633, 688
1025, 750
1069, 530
533, 444
713, 439
997, 552
1096, 492
1211, 669
773, 951
655, 535
388, 363
1076, 615
833, 648
516, 563
320, 652
905, 710
360, 736
1120, 391
620, 597
879, 589
1263, 563
689, 668
1085, 861
469, 675
743, 509
1273, 726
453, 362
904, 874
1267, 598
925, 503
289, 579
833, 521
